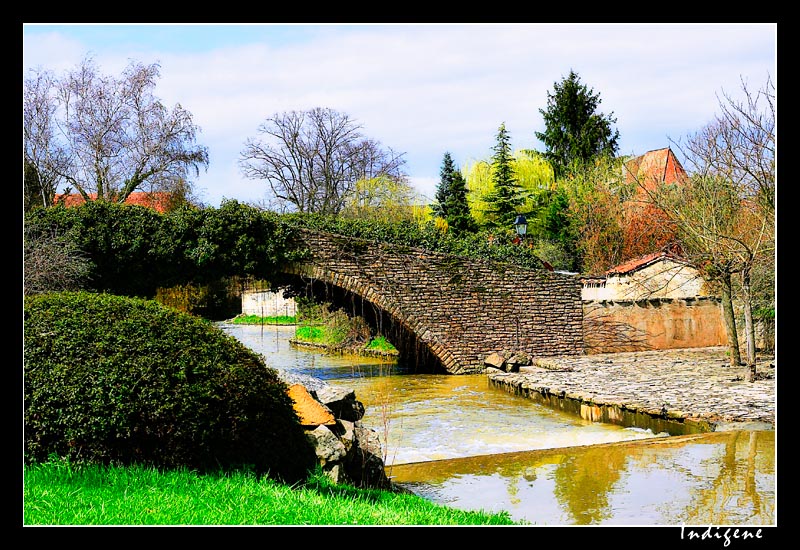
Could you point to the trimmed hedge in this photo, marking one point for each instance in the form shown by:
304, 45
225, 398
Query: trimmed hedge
115, 380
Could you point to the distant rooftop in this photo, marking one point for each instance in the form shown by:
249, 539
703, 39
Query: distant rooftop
653, 167
158, 201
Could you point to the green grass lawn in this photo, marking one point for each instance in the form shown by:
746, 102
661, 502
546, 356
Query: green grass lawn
56, 493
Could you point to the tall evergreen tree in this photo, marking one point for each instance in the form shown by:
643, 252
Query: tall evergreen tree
444, 186
458, 214
574, 131
451, 197
507, 195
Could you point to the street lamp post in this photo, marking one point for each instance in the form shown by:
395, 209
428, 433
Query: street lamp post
521, 225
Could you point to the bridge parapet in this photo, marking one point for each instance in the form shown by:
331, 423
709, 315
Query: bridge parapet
459, 310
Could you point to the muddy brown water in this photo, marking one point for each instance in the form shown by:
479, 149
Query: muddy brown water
456, 440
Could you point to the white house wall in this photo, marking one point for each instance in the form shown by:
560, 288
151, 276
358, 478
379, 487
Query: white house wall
267, 304
663, 279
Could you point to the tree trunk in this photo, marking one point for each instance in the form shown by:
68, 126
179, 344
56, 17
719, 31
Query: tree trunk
730, 321
749, 329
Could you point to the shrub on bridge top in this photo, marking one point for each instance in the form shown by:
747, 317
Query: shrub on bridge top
487, 245
115, 380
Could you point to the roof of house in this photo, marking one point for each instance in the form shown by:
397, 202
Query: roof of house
158, 201
654, 167
644, 261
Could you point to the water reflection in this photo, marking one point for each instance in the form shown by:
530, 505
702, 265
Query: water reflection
724, 478
273, 343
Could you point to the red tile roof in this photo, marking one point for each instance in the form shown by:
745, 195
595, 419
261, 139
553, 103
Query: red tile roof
158, 201
654, 167
639, 263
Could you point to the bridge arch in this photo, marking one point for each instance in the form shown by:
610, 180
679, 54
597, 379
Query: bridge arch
451, 312
410, 335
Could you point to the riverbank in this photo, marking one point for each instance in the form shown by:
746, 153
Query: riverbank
341, 350
678, 391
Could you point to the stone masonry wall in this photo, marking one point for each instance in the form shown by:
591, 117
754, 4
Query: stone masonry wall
618, 326
461, 310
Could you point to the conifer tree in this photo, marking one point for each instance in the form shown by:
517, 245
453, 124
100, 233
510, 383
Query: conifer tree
507, 195
451, 197
574, 131
458, 214
444, 186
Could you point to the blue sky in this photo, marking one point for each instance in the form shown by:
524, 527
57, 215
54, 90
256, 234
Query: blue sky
421, 89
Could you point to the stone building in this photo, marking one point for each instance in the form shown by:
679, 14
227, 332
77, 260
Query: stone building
658, 301
657, 275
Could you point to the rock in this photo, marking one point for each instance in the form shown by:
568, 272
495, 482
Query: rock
516, 361
523, 359
310, 411
341, 402
346, 451
327, 445
365, 465
312, 384
496, 361
348, 435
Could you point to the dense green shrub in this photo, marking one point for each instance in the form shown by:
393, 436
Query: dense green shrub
120, 241
116, 380
134, 250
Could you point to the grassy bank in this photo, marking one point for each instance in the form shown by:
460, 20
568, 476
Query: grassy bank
56, 493
258, 320
332, 338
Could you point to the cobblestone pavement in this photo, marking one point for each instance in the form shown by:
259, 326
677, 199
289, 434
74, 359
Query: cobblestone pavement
696, 384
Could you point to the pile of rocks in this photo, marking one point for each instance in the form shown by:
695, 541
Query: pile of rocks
507, 361
347, 451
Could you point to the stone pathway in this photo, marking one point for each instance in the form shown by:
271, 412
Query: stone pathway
689, 384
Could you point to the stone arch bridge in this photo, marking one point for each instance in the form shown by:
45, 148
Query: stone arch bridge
444, 313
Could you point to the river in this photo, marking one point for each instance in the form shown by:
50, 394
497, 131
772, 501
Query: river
457, 441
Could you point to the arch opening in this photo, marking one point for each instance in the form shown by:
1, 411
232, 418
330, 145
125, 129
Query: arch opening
415, 356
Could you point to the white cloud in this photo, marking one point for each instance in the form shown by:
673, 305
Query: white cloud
427, 89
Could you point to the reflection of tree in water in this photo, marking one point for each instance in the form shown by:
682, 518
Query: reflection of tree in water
732, 495
584, 480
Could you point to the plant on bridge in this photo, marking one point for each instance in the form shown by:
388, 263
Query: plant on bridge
495, 245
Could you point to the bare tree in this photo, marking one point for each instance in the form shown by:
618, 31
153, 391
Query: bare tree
313, 159
739, 144
733, 158
52, 263
724, 213
105, 135
705, 211
44, 157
